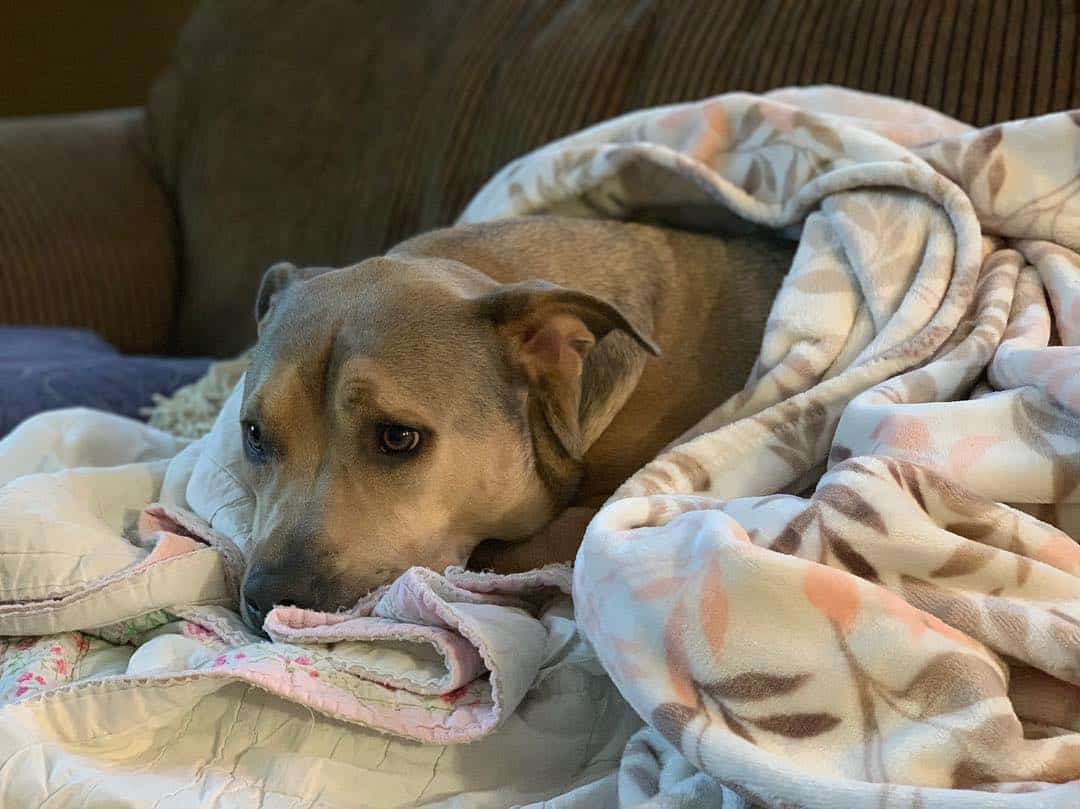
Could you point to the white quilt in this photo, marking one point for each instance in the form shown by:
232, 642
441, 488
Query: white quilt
120, 684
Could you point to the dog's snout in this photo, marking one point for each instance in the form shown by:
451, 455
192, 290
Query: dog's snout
265, 588
253, 614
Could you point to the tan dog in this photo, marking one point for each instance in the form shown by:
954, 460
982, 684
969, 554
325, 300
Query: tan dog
401, 411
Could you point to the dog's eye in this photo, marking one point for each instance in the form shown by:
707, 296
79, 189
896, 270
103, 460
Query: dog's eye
253, 441
396, 438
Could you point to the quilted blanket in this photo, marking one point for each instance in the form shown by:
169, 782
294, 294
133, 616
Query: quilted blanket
127, 678
853, 585
856, 583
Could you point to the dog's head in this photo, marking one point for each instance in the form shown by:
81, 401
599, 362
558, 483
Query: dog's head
401, 411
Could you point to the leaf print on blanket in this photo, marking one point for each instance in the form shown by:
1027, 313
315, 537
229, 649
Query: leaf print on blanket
1061, 551
671, 719
791, 538
847, 555
1021, 181
951, 682
965, 560
715, 698
754, 685
975, 619
713, 609
778, 141
948, 684
959, 676
798, 725
851, 504
966, 163
570, 172
1053, 433
987, 528
680, 678
711, 615
834, 594
975, 158
752, 181
802, 432
841, 499
752, 120
703, 608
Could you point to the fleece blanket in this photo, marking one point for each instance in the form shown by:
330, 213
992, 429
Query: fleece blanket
856, 583
817, 598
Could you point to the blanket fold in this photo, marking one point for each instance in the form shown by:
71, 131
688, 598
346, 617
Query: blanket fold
427, 657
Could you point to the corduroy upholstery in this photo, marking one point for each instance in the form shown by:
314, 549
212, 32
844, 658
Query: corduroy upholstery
86, 230
324, 131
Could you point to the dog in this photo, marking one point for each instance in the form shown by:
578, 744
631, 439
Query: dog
479, 391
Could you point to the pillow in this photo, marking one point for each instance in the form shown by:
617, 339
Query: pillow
50, 368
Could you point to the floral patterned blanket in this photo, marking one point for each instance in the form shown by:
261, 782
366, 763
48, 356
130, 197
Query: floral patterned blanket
857, 582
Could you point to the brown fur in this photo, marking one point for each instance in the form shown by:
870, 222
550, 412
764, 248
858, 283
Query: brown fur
536, 400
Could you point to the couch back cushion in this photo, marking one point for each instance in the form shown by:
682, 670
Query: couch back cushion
323, 132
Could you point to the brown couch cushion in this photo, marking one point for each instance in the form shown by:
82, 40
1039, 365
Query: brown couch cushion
86, 231
324, 131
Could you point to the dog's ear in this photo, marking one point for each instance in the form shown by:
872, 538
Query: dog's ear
274, 281
551, 333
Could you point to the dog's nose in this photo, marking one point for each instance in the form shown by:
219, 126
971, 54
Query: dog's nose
253, 614
264, 589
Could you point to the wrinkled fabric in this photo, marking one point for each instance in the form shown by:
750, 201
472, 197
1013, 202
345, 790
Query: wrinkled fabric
818, 598
124, 666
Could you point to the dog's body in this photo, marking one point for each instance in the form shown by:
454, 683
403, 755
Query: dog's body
404, 410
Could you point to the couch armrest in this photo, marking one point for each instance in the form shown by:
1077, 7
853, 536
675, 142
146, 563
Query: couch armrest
87, 234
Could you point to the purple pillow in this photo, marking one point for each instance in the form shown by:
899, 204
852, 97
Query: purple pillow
51, 368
